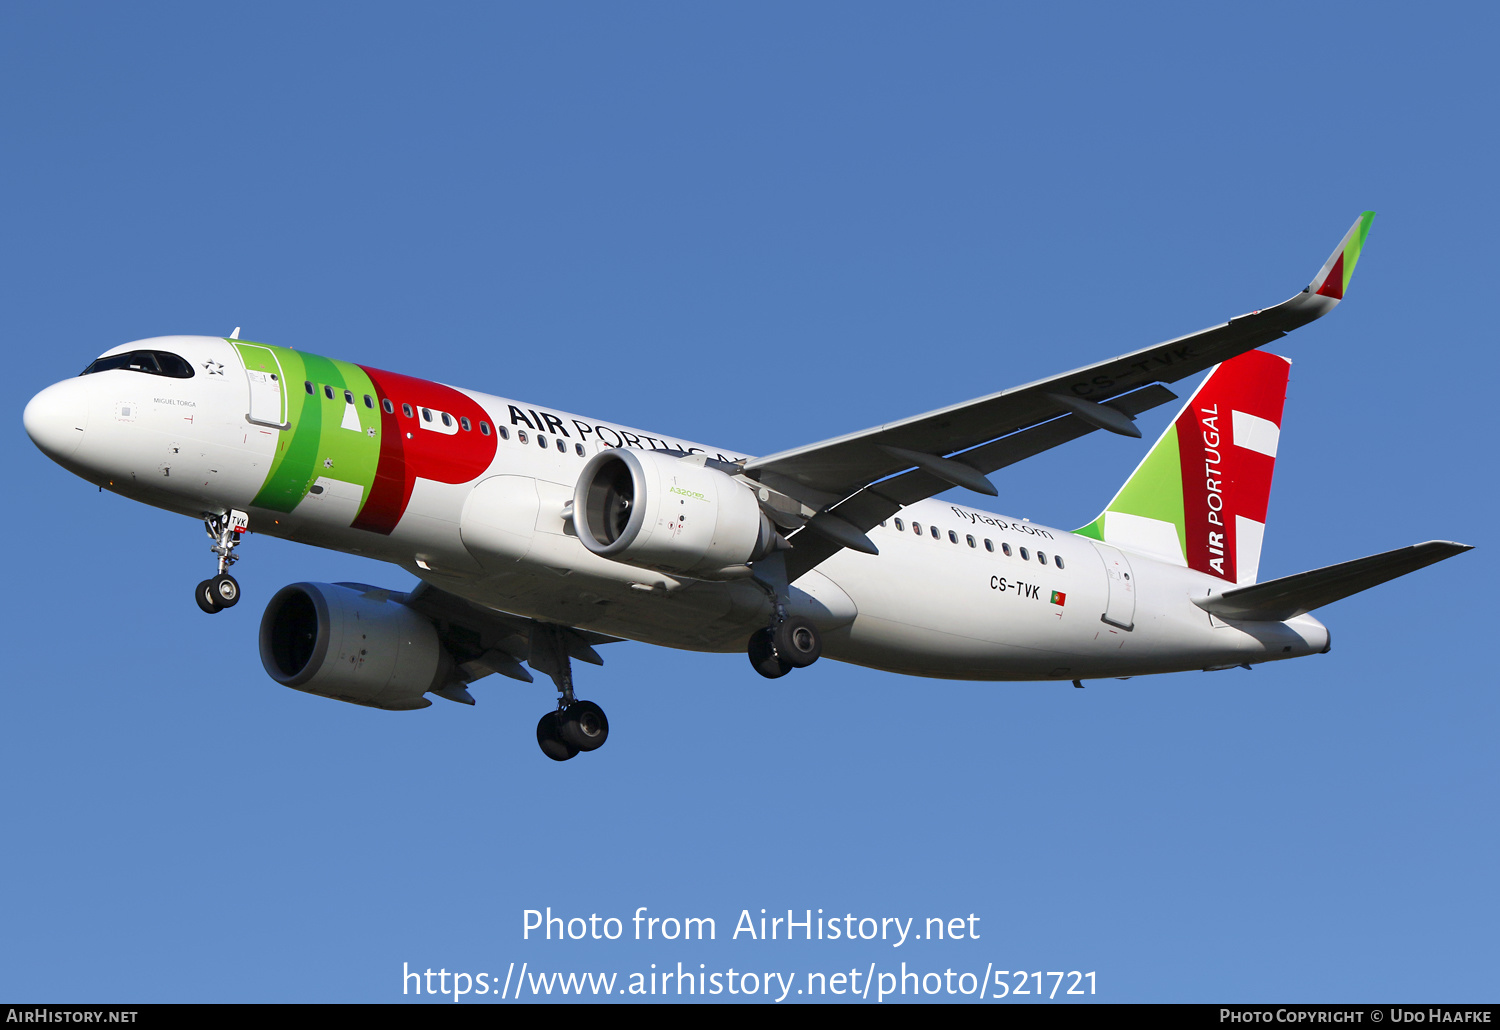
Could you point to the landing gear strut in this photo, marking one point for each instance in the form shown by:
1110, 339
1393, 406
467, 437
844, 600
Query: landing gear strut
576, 725
790, 641
222, 591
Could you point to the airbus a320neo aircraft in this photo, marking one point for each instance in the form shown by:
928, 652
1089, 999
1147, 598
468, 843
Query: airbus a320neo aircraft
539, 534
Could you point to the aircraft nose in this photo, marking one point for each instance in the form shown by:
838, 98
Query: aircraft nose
56, 418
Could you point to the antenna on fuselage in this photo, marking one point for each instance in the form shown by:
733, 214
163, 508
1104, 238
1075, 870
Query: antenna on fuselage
236, 334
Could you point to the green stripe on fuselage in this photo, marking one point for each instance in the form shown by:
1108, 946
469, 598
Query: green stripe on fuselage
317, 444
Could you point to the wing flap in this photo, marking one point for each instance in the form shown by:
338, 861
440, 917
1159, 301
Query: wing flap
867, 508
1290, 596
486, 641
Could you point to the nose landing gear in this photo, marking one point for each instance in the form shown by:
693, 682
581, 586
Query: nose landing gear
222, 591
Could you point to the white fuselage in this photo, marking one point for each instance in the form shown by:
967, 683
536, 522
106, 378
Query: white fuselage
986, 598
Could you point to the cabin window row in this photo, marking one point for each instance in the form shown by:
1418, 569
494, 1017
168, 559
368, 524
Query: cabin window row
428, 415
989, 545
541, 441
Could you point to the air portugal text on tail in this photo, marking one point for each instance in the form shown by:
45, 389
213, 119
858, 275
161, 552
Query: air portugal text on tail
537, 535
1200, 497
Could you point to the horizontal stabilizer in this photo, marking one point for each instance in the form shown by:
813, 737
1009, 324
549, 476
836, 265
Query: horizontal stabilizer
1290, 596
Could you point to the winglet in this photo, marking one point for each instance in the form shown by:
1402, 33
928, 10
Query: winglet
1333, 278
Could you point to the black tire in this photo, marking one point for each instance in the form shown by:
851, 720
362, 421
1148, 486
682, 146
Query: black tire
225, 589
584, 726
204, 595
549, 740
763, 656
797, 642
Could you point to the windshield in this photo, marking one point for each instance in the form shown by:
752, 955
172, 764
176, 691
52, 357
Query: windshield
156, 362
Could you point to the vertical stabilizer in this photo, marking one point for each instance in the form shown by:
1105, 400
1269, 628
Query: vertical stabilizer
1199, 498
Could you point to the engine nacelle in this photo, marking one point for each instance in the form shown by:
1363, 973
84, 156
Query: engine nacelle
658, 511
352, 644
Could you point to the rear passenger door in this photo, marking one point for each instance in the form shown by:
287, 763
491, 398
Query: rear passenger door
1119, 608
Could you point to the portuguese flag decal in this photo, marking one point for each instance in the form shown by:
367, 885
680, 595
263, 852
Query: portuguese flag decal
1059, 599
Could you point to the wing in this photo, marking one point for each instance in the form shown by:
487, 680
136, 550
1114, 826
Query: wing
483, 640
845, 486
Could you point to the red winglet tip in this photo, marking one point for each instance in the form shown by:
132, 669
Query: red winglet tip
1333, 284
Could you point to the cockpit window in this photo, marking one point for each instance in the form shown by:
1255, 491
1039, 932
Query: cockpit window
155, 362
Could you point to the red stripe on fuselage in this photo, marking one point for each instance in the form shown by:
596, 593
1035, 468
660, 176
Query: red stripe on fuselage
409, 452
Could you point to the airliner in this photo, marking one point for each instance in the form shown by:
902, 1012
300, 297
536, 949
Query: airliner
539, 535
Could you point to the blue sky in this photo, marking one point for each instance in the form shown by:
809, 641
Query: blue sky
756, 226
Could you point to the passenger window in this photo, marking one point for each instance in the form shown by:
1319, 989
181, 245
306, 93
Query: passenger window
989, 546
970, 540
1041, 556
406, 410
562, 447
579, 448
309, 386
916, 527
1057, 560
447, 420
426, 414
1005, 548
463, 421
328, 392
369, 401
541, 441
900, 527
386, 406
521, 435
935, 535
484, 427
348, 397
1024, 555
952, 537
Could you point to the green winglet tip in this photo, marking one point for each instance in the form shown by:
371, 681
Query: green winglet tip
1356, 244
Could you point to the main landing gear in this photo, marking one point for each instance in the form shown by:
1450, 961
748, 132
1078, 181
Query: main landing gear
576, 725
792, 643
222, 591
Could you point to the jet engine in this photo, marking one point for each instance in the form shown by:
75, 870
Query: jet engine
352, 643
673, 514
